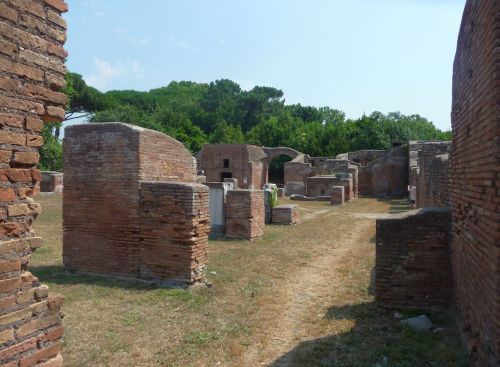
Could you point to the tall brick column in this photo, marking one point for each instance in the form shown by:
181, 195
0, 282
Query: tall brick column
32, 34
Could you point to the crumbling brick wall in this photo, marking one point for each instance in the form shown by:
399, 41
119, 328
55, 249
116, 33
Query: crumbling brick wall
245, 214
475, 177
412, 266
107, 226
32, 34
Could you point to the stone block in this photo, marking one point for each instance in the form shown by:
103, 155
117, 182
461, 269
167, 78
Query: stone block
286, 214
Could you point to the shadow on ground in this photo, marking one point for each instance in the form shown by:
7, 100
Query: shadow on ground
397, 205
58, 274
378, 339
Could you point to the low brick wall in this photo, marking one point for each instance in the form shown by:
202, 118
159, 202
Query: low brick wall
175, 222
52, 182
245, 214
413, 259
338, 195
286, 214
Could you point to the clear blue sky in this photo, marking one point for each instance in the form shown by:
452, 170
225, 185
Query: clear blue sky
355, 55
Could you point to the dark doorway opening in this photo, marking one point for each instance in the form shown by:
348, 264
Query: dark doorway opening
277, 169
224, 175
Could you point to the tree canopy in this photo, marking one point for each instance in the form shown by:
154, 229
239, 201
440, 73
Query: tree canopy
221, 112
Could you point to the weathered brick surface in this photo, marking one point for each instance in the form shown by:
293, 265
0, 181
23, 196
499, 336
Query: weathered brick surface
412, 266
338, 195
175, 222
386, 176
51, 181
475, 177
136, 223
26, 67
286, 214
431, 180
244, 162
245, 214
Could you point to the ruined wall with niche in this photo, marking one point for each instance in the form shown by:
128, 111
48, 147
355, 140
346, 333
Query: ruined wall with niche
116, 177
246, 163
32, 34
474, 178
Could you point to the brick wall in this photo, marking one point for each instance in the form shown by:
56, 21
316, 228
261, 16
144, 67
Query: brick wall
51, 182
432, 179
244, 162
32, 34
475, 175
386, 176
245, 214
106, 221
412, 267
175, 222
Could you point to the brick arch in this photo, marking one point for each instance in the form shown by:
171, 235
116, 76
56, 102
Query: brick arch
276, 152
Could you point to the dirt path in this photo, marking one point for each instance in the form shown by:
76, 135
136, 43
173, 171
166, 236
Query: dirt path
312, 289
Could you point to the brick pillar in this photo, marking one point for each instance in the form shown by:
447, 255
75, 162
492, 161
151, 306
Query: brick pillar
245, 214
32, 34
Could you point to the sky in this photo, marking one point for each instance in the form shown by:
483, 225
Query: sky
358, 56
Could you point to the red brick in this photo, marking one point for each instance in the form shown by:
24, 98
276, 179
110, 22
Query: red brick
7, 302
27, 192
8, 48
53, 334
39, 355
34, 124
57, 19
53, 114
19, 175
45, 62
34, 141
9, 84
10, 285
23, 38
57, 361
18, 348
11, 120
57, 50
21, 70
25, 158
20, 104
13, 229
55, 301
55, 81
5, 156
30, 6
12, 265
8, 13
59, 5
7, 194
8, 137
45, 94
36, 175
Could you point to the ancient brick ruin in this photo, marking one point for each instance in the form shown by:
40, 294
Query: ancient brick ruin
51, 182
32, 34
245, 214
412, 262
475, 180
145, 215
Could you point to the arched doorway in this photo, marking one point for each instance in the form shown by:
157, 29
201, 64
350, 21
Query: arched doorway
276, 169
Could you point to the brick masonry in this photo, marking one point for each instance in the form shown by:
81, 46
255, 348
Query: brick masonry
475, 178
338, 195
32, 35
52, 182
431, 181
412, 266
286, 214
245, 214
104, 168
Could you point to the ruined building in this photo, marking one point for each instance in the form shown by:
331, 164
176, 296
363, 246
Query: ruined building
449, 252
144, 214
32, 34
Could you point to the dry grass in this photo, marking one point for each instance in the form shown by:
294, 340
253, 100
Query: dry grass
301, 296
